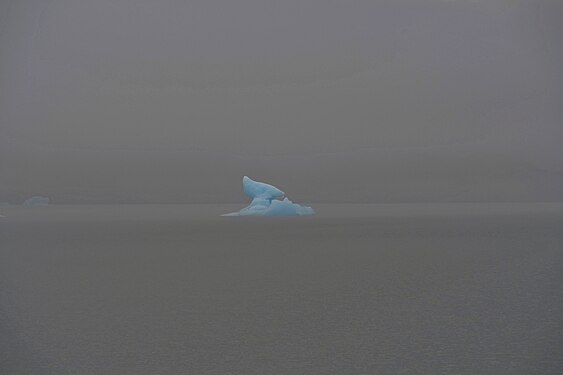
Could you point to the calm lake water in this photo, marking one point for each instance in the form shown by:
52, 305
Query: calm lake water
377, 289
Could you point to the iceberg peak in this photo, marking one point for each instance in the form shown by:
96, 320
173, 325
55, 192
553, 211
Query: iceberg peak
255, 189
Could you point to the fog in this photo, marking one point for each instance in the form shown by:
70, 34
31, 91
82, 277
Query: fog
357, 101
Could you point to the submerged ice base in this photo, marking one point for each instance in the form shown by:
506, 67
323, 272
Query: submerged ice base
266, 201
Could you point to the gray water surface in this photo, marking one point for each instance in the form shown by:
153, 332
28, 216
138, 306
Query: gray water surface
376, 289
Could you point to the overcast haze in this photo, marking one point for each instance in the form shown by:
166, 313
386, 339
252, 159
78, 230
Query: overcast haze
174, 101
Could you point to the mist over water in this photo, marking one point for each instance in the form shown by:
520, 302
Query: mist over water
134, 101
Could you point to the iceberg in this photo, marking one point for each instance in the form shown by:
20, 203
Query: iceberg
267, 201
36, 201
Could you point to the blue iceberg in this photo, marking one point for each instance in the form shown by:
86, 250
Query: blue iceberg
36, 201
267, 201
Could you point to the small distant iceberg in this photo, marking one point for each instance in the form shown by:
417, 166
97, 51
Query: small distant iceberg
36, 201
267, 201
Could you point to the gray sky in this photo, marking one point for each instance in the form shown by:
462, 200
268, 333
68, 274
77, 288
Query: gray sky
379, 101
